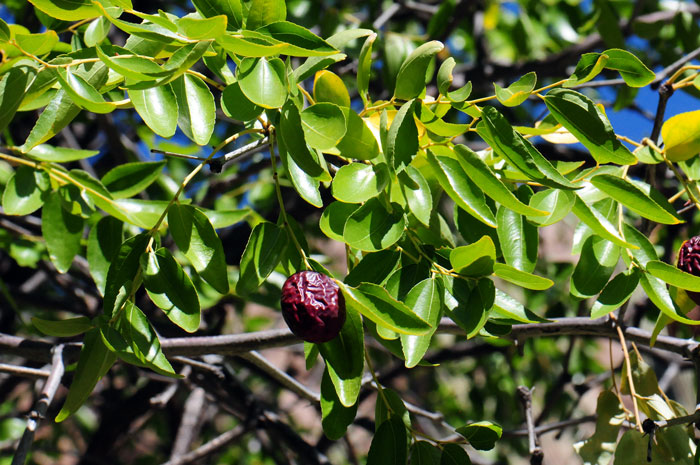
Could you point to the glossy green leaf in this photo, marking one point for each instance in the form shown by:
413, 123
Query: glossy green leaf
263, 81
481, 435
358, 182
37, 44
364, 67
373, 268
155, 28
474, 260
521, 278
305, 185
259, 45
519, 240
158, 108
13, 88
517, 92
599, 223
263, 12
681, 135
232, 9
424, 453
128, 64
390, 405
556, 201
673, 275
657, 292
94, 362
170, 288
129, 179
329, 87
82, 93
23, 193
323, 125
202, 28
416, 191
372, 227
142, 341
389, 443
587, 68
594, 268
469, 306
237, 106
425, 299
5, 32
196, 108
460, 188
615, 293
68, 327
479, 172
338, 40
263, 252
402, 139
410, 81
359, 142
376, 304
335, 417
49, 153
97, 31
454, 454
334, 217
438, 126
344, 357
298, 40
62, 231
194, 235
635, 199
589, 125
631, 69
292, 135
104, 242
122, 273
518, 151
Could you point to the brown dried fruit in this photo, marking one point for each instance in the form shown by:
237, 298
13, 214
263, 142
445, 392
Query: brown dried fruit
689, 261
313, 306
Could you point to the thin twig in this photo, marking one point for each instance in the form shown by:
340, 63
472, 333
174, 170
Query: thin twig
209, 448
189, 423
281, 377
630, 379
24, 371
37, 414
536, 453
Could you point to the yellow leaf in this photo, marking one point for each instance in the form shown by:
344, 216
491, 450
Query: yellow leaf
681, 135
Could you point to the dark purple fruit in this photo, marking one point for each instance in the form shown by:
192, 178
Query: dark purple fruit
313, 306
689, 261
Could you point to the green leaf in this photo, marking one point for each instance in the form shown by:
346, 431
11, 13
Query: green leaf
51, 154
438, 126
375, 303
62, 232
97, 31
329, 87
298, 40
305, 185
171, 289
335, 417
23, 192
5, 33
454, 454
615, 293
505, 306
479, 172
122, 273
594, 268
263, 252
410, 82
364, 67
518, 151
589, 125
82, 93
334, 217
474, 260
373, 268
129, 179
390, 405
263, 12
631, 69
323, 125
469, 306
358, 182
424, 453
344, 357
372, 227
426, 301
389, 443
292, 136
263, 81
237, 106
143, 340
37, 44
94, 362
104, 242
681, 135
519, 240
673, 276
599, 448
63, 328
635, 199
196, 108
202, 28
194, 235
517, 92
359, 142
521, 278
658, 294
402, 139
587, 68
13, 87
556, 201
158, 108
460, 188
233, 10
481, 435
68, 10
128, 64
599, 223
416, 191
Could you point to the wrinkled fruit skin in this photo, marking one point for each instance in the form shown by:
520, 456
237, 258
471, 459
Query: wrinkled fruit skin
313, 306
689, 261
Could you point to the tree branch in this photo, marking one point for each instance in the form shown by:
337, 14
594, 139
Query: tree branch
536, 453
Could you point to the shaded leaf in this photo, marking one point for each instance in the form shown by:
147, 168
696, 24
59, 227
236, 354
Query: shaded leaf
62, 231
372, 227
